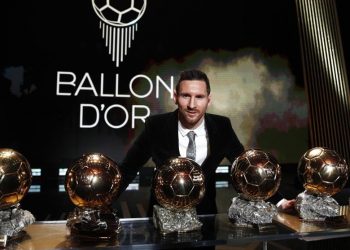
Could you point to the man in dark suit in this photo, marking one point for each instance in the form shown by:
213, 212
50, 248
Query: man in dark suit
165, 136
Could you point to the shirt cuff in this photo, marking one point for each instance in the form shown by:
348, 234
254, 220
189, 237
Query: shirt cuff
280, 203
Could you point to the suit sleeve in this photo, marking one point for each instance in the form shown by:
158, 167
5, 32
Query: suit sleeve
234, 147
136, 157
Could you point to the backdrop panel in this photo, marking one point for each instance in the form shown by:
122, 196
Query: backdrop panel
75, 79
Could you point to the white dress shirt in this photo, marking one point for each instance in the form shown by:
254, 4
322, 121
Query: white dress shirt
201, 140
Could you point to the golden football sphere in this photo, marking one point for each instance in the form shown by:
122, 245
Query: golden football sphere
93, 181
322, 171
179, 184
256, 175
15, 177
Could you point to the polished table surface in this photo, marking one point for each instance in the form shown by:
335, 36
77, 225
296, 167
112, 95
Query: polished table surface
216, 230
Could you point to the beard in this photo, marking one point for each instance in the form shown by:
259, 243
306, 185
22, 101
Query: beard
190, 118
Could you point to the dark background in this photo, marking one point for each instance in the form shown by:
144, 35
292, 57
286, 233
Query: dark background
44, 38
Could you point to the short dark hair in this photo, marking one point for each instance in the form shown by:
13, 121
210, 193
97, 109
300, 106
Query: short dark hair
193, 74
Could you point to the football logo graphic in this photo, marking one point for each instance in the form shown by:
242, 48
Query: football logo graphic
118, 22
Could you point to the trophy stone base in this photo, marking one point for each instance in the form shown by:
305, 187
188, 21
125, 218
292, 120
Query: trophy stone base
168, 221
247, 213
93, 224
12, 221
316, 208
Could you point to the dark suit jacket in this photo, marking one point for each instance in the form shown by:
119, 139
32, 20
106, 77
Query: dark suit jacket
159, 140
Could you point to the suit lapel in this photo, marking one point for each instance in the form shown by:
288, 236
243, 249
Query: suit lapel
172, 128
213, 135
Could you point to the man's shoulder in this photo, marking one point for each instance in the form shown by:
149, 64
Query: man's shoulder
161, 117
216, 117
161, 120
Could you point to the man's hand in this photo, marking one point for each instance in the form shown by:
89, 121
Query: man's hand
286, 206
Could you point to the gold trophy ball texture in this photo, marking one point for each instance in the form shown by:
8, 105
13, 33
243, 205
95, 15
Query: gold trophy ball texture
322, 171
15, 177
93, 181
256, 175
179, 184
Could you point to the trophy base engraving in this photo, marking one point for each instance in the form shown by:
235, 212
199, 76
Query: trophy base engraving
245, 213
93, 224
168, 221
316, 208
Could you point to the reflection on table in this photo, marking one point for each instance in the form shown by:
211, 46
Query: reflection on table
217, 230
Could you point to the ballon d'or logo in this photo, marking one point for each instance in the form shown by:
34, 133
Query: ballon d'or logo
118, 22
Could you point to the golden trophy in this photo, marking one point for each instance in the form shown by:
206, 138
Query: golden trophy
323, 173
256, 176
15, 180
178, 188
92, 183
